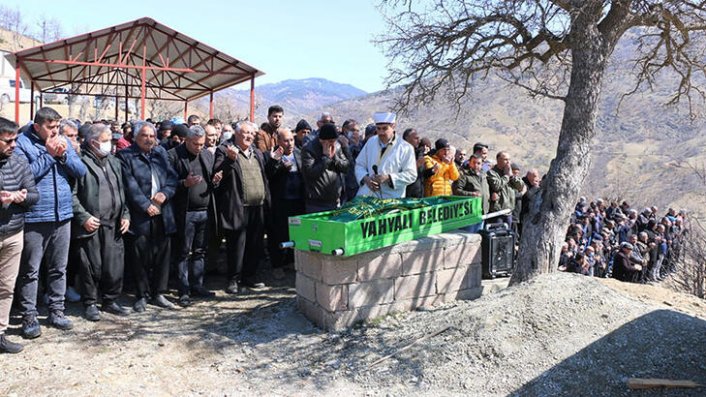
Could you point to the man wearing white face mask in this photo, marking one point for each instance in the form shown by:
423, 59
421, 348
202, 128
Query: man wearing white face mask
226, 133
101, 217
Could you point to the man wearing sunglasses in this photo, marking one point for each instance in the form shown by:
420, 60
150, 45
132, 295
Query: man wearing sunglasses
17, 193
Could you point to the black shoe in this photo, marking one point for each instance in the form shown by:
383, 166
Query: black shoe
92, 313
232, 287
7, 346
184, 300
140, 305
31, 328
253, 284
202, 292
57, 319
161, 301
114, 308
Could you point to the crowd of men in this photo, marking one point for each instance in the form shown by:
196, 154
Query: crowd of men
624, 243
156, 200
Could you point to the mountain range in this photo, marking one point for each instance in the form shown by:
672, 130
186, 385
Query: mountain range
301, 98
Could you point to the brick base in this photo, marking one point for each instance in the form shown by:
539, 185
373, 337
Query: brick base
336, 292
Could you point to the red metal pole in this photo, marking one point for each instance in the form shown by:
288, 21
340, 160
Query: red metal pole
186, 110
142, 95
252, 98
126, 100
31, 99
143, 90
210, 106
17, 93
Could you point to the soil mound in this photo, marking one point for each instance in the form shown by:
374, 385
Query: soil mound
561, 334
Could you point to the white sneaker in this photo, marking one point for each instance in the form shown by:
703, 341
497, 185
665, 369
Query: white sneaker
72, 295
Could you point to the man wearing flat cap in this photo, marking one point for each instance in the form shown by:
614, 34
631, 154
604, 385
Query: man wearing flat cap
386, 164
623, 267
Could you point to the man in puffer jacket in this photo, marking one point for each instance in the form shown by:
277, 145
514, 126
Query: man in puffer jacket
442, 170
17, 193
54, 163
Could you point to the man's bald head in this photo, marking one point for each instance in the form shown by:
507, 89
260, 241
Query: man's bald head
211, 135
285, 139
533, 177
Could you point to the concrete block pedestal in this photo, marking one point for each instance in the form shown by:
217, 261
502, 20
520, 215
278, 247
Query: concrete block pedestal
337, 292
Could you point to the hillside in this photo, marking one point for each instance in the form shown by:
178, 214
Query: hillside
11, 42
643, 153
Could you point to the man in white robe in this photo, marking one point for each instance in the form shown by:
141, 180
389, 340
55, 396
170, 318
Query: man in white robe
386, 164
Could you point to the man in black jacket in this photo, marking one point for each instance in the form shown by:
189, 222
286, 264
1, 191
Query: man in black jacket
17, 193
193, 201
625, 268
324, 165
532, 180
284, 172
101, 217
242, 198
150, 183
416, 188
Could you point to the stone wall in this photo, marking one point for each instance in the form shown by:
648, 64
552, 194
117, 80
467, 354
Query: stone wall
336, 292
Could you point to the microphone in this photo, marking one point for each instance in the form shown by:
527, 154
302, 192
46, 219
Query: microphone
375, 170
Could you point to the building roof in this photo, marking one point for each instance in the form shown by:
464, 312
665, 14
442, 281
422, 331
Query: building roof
112, 61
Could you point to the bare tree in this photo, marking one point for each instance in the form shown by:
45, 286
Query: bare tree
554, 48
228, 109
49, 29
11, 19
690, 257
164, 110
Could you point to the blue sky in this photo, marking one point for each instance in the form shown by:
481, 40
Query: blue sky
286, 39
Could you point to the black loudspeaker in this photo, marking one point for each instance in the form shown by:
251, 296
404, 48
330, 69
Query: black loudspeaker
498, 249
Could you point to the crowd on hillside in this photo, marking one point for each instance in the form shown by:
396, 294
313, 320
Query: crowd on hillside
84, 204
624, 243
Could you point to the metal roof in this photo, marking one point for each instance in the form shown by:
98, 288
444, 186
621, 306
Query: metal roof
118, 60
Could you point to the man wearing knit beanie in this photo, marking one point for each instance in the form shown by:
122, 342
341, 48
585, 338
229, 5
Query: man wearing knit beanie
324, 164
302, 130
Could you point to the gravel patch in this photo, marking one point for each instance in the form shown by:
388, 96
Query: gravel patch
561, 334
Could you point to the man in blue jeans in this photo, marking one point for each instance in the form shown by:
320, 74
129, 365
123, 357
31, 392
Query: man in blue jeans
53, 161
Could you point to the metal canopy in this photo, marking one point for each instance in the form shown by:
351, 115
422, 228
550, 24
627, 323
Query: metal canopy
138, 59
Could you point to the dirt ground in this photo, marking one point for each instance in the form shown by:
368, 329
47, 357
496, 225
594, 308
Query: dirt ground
562, 334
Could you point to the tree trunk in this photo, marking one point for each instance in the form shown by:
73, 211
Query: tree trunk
545, 229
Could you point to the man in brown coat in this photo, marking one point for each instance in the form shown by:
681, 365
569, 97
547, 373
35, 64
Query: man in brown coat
266, 138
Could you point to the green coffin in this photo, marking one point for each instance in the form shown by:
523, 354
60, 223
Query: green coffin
319, 233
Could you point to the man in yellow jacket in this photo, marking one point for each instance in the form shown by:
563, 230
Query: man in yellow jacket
440, 170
